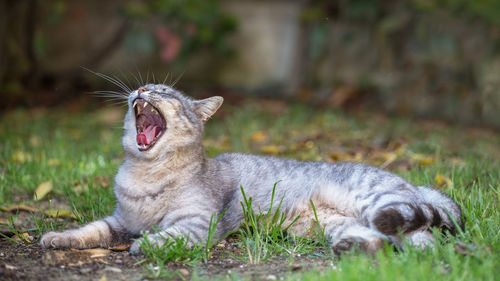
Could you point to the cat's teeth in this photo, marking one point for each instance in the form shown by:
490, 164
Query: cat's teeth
145, 104
135, 103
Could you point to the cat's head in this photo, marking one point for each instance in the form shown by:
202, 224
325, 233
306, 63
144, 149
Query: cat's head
161, 120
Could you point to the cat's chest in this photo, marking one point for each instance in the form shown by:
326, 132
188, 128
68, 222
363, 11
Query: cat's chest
142, 212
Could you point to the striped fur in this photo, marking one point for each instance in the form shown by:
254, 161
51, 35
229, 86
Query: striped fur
174, 186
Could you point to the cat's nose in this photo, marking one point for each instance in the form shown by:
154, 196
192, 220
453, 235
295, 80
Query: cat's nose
141, 90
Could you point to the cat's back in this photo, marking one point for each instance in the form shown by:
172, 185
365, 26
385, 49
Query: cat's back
281, 168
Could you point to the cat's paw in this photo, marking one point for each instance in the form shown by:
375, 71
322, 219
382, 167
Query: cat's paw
369, 246
153, 241
61, 240
136, 248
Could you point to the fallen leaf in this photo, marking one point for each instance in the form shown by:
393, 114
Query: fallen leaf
184, 272
422, 159
4, 221
259, 136
27, 237
270, 149
103, 278
112, 269
401, 165
121, 247
53, 162
442, 180
97, 253
79, 188
60, 213
34, 140
104, 181
457, 162
388, 158
18, 207
10, 267
356, 157
42, 190
21, 156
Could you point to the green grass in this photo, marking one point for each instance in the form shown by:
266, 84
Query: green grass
80, 152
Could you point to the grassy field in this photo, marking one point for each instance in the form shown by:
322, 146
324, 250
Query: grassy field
57, 168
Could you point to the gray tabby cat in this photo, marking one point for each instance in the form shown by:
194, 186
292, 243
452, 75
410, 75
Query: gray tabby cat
167, 181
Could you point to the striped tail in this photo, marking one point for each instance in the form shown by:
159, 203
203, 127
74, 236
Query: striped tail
437, 210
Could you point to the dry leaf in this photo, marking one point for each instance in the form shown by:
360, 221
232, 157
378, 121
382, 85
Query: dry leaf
24, 237
18, 207
97, 253
79, 188
53, 162
356, 157
21, 156
27, 237
4, 221
259, 136
104, 181
422, 159
42, 190
271, 149
388, 158
60, 213
121, 247
442, 180
34, 140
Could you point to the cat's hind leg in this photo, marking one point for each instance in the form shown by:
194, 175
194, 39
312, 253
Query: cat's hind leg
346, 233
342, 232
422, 239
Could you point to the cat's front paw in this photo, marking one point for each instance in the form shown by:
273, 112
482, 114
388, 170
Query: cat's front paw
61, 240
136, 249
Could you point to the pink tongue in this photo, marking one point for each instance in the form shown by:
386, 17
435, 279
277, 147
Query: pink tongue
148, 135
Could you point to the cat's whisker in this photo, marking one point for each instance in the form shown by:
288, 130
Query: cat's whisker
129, 83
140, 76
118, 83
165, 79
178, 78
136, 80
123, 83
110, 94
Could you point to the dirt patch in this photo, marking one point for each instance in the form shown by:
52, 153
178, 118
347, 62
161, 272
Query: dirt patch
23, 261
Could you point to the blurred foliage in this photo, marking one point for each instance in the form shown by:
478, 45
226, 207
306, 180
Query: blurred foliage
198, 24
487, 10
173, 29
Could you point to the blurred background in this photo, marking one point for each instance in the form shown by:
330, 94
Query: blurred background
420, 58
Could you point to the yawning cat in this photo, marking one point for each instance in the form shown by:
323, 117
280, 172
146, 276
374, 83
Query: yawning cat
167, 181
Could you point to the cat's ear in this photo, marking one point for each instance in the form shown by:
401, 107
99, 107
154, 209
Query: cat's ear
207, 107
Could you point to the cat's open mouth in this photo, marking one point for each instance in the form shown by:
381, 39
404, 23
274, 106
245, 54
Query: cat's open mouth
149, 123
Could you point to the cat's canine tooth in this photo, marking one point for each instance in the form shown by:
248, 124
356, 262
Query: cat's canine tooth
135, 103
145, 104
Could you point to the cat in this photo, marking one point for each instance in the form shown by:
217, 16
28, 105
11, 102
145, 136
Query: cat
167, 181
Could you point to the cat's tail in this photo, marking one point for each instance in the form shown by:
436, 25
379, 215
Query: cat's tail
436, 210
449, 212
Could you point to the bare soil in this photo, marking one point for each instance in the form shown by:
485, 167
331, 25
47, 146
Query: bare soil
28, 261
